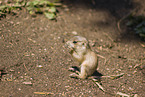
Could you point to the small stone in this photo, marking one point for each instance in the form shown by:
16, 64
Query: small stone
31, 78
130, 88
32, 54
40, 66
74, 33
21, 77
135, 95
27, 83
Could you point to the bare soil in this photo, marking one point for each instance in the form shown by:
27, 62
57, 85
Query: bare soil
32, 50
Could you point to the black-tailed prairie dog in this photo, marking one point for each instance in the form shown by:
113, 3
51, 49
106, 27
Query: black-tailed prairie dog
81, 51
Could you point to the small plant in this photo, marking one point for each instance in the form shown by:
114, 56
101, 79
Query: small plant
7, 8
137, 24
140, 29
42, 6
35, 6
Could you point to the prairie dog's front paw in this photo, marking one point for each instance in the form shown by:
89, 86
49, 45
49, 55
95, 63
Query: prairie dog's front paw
73, 75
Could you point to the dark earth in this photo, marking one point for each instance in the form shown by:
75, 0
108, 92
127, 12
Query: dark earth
33, 57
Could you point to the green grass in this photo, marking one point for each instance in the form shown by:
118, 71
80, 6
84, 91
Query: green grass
137, 23
34, 7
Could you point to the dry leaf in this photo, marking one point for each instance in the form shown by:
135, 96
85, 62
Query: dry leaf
32, 40
116, 76
100, 87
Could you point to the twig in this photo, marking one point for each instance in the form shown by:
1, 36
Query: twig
115, 76
142, 45
43, 93
119, 22
57, 4
132, 59
103, 58
110, 76
123, 94
108, 36
100, 87
25, 67
118, 89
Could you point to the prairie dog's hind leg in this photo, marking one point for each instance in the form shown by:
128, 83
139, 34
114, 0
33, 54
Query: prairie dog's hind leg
83, 73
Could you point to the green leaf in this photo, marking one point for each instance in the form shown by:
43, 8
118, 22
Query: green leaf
143, 30
38, 10
1, 12
36, 2
51, 4
3, 7
10, 8
48, 2
30, 8
52, 9
42, 2
49, 15
31, 12
142, 35
129, 23
46, 9
17, 5
29, 4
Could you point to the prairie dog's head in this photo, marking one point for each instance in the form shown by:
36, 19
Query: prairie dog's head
78, 43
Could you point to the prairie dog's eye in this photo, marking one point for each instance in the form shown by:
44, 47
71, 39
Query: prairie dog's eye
74, 42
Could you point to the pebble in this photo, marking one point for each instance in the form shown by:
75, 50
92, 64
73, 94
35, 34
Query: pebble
19, 89
40, 66
27, 83
74, 33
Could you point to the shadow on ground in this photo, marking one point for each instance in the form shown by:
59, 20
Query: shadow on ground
116, 9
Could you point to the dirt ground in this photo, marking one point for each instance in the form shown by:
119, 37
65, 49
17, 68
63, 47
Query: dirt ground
32, 50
